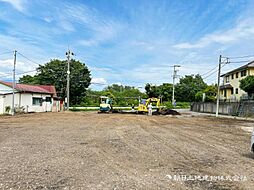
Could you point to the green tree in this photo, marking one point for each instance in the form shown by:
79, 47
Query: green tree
210, 94
247, 84
109, 94
188, 87
152, 90
28, 79
91, 98
164, 91
125, 95
55, 73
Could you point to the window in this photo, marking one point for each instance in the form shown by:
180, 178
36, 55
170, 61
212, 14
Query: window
225, 93
236, 91
243, 73
37, 101
227, 79
236, 75
232, 91
48, 99
232, 76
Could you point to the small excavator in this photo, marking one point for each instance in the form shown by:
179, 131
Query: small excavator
106, 107
143, 104
105, 104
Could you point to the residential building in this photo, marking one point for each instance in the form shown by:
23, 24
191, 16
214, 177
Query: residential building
28, 98
230, 89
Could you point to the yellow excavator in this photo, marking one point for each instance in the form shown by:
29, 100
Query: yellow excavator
143, 104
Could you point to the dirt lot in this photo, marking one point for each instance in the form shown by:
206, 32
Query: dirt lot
113, 151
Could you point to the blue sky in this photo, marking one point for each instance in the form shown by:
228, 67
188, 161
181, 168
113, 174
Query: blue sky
127, 41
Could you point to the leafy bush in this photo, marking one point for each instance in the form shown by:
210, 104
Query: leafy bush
168, 104
179, 105
7, 109
182, 105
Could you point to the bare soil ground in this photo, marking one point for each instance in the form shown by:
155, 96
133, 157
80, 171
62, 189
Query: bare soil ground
113, 151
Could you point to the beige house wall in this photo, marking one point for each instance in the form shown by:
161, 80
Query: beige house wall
235, 83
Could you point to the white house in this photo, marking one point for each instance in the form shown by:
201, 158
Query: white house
29, 98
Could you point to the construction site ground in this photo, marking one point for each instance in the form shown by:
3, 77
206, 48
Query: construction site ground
86, 150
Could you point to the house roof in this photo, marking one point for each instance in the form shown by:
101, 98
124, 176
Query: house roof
226, 86
248, 65
47, 89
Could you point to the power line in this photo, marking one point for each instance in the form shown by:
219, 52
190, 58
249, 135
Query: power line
214, 72
209, 71
28, 58
21, 73
225, 65
210, 74
5, 74
7, 52
26, 72
239, 57
240, 61
8, 74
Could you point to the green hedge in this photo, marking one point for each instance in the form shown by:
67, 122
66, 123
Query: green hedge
179, 105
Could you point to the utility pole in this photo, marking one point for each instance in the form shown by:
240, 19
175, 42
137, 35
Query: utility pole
68, 54
174, 77
13, 84
218, 88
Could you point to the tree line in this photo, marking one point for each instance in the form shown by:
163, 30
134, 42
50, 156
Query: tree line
189, 89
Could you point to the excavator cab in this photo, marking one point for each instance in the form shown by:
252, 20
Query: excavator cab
105, 104
143, 104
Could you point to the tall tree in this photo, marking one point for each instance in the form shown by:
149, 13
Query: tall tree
125, 95
164, 91
188, 87
28, 79
152, 90
247, 84
210, 94
55, 73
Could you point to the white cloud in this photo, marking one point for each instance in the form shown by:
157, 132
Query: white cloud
145, 45
99, 81
20, 66
88, 42
17, 4
67, 26
48, 19
100, 27
243, 30
6, 67
101, 69
118, 83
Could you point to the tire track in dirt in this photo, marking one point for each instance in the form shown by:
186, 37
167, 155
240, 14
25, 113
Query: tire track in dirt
107, 151
112, 160
195, 166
